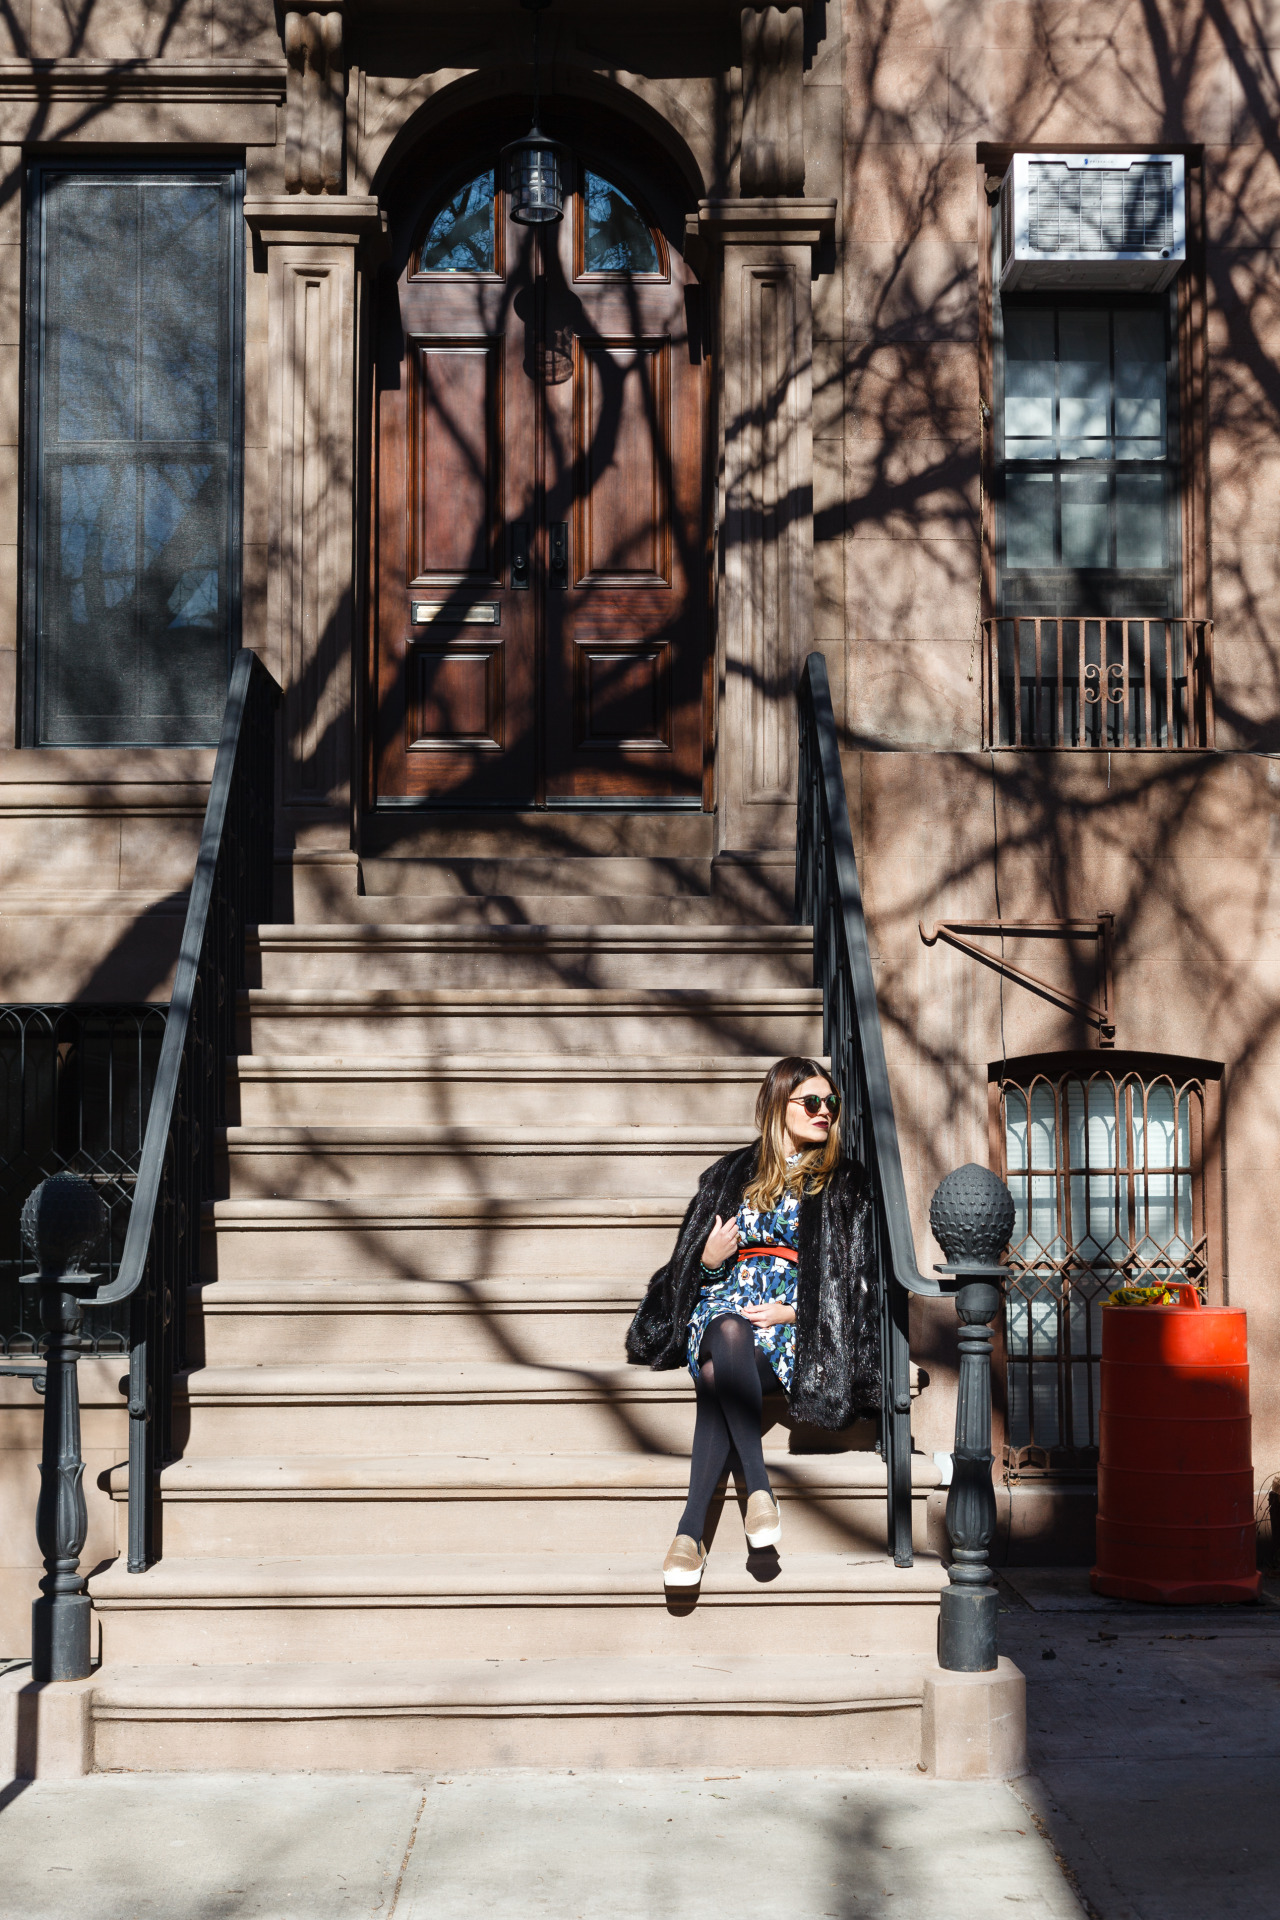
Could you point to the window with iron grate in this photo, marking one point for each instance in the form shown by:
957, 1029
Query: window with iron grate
1113, 1169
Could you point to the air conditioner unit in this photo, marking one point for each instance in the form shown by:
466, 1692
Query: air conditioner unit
1085, 220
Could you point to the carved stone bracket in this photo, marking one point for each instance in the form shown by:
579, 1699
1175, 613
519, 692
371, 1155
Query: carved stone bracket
315, 113
772, 158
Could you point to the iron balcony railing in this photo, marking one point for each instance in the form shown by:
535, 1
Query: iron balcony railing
829, 898
160, 1260
1119, 684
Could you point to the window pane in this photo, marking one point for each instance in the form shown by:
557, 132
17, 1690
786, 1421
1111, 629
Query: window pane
460, 238
1140, 384
1084, 372
1029, 383
98, 513
134, 615
615, 238
1085, 533
1140, 520
1029, 520
94, 243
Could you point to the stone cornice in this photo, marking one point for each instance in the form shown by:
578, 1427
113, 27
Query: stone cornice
788, 222
311, 217
33, 81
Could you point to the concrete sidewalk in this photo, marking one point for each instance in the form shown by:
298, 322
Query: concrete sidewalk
825, 1846
1154, 1738
1154, 1735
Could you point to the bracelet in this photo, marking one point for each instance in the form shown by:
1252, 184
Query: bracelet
716, 1273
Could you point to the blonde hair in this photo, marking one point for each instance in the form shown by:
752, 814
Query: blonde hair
811, 1172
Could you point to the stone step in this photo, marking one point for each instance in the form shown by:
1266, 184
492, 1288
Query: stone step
367, 957
467, 1606
464, 1502
490, 1160
544, 1321
544, 910
531, 1020
570, 834
446, 1237
532, 1089
570, 1710
677, 874
401, 1407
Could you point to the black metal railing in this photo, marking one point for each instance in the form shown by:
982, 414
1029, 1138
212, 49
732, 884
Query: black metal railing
75, 1090
829, 897
160, 1260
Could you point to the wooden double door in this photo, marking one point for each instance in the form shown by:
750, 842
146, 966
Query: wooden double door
541, 595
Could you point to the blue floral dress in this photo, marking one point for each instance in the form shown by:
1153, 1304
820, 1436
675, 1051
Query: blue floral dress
751, 1283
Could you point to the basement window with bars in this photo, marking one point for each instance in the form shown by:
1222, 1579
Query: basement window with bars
1109, 1167
134, 355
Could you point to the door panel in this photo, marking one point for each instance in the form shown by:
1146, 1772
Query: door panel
625, 643
541, 594
456, 698
624, 460
456, 408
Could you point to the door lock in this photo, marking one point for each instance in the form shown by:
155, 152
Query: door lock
558, 569
520, 554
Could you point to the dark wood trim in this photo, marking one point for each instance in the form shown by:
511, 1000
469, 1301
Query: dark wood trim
986, 400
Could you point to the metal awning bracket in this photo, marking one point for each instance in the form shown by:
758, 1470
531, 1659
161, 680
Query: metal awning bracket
1099, 1015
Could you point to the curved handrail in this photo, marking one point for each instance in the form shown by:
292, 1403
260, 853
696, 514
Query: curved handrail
829, 897
230, 890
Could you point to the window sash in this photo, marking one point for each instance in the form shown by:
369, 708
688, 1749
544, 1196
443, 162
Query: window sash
1087, 490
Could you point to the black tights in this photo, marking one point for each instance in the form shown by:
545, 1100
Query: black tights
733, 1378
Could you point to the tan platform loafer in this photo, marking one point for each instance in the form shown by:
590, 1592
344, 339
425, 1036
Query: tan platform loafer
764, 1522
683, 1565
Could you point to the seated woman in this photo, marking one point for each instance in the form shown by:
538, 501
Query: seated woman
771, 1286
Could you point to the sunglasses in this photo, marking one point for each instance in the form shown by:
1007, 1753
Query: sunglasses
811, 1102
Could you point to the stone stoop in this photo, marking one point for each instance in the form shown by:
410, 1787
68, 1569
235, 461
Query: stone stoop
421, 1504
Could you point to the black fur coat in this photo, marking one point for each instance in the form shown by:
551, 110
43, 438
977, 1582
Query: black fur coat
837, 1369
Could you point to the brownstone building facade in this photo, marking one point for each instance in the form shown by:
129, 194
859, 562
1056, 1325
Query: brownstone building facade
936, 335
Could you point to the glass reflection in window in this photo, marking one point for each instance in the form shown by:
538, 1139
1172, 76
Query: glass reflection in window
615, 238
460, 238
1084, 384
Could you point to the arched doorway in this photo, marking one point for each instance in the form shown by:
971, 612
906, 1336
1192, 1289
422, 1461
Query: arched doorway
540, 596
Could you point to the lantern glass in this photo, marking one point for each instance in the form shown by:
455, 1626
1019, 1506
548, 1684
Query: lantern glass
534, 180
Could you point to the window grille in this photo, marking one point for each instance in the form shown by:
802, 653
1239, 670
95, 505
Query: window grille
1107, 1171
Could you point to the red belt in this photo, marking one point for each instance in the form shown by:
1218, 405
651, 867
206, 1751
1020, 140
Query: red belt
777, 1253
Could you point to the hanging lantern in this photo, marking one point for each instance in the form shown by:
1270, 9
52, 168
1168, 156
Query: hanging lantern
534, 179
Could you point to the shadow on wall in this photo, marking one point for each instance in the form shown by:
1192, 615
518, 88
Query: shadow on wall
921, 96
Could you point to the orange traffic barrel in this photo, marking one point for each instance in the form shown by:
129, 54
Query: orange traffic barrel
1175, 1465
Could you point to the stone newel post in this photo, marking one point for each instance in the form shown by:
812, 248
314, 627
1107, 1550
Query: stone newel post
972, 1218
60, 1221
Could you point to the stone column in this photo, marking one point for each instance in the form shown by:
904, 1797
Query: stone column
311, 236
767, 529
311, 243
766, 238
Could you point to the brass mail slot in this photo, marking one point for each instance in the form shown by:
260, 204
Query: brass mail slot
483, 613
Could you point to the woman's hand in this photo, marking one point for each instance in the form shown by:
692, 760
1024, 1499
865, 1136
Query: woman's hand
774, 1313
722, 1243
